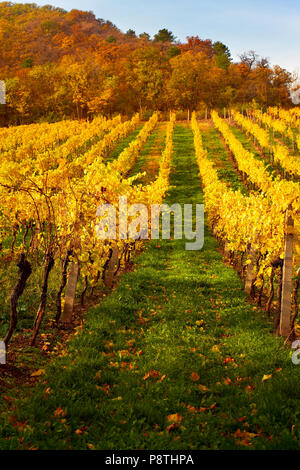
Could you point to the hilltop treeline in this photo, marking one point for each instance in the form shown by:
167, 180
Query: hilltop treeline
59, 64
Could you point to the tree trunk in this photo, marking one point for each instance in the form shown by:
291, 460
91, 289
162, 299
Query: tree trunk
63, 284
25, 271
42, 307
250, 271
84, 291
96, 282
106, 263
271, 293
279, 293
295, 295
110, 271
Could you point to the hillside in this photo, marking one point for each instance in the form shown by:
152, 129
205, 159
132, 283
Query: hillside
32, 35
82, 66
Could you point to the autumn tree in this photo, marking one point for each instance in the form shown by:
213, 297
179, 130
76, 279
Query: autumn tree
144, 36
164, 35
59, 64
195, 44
194, 80
173, 51
130, 34
222, 55
249, 59
144, 73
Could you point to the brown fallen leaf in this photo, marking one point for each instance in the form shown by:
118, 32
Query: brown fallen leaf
194, 376
59, 412
176, 418
227, 381
203, 388
172, 427
81, 430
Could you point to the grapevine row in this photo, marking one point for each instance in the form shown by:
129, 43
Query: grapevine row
50, 210
252, 230
282, 192
280, 152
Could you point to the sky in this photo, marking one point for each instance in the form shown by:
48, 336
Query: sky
270, 27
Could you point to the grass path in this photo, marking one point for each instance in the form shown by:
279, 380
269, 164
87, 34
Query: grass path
148, 161
248, 144
172, 359
123, 144
218, 153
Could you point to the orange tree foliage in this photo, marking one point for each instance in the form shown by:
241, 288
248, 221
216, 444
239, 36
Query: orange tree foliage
59, 64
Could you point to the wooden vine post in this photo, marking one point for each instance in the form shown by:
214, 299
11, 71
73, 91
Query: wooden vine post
285, 314
66, 317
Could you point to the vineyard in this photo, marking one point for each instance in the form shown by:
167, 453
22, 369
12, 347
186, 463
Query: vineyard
134, 343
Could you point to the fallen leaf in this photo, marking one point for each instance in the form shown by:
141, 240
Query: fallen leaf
244, 434
227, 360
227, 381
194, 376
240, 420
154, 373
172, 427
59, 412
202, 388
38, 372
81, 430
176, 418
266, 377
192, 409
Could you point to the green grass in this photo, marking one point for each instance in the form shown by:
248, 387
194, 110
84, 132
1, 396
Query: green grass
217, 152
277, 137
247, 143
122, 145
179, 312
155, 143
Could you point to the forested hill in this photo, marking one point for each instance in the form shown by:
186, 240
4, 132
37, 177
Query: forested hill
37, 35
60, 64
